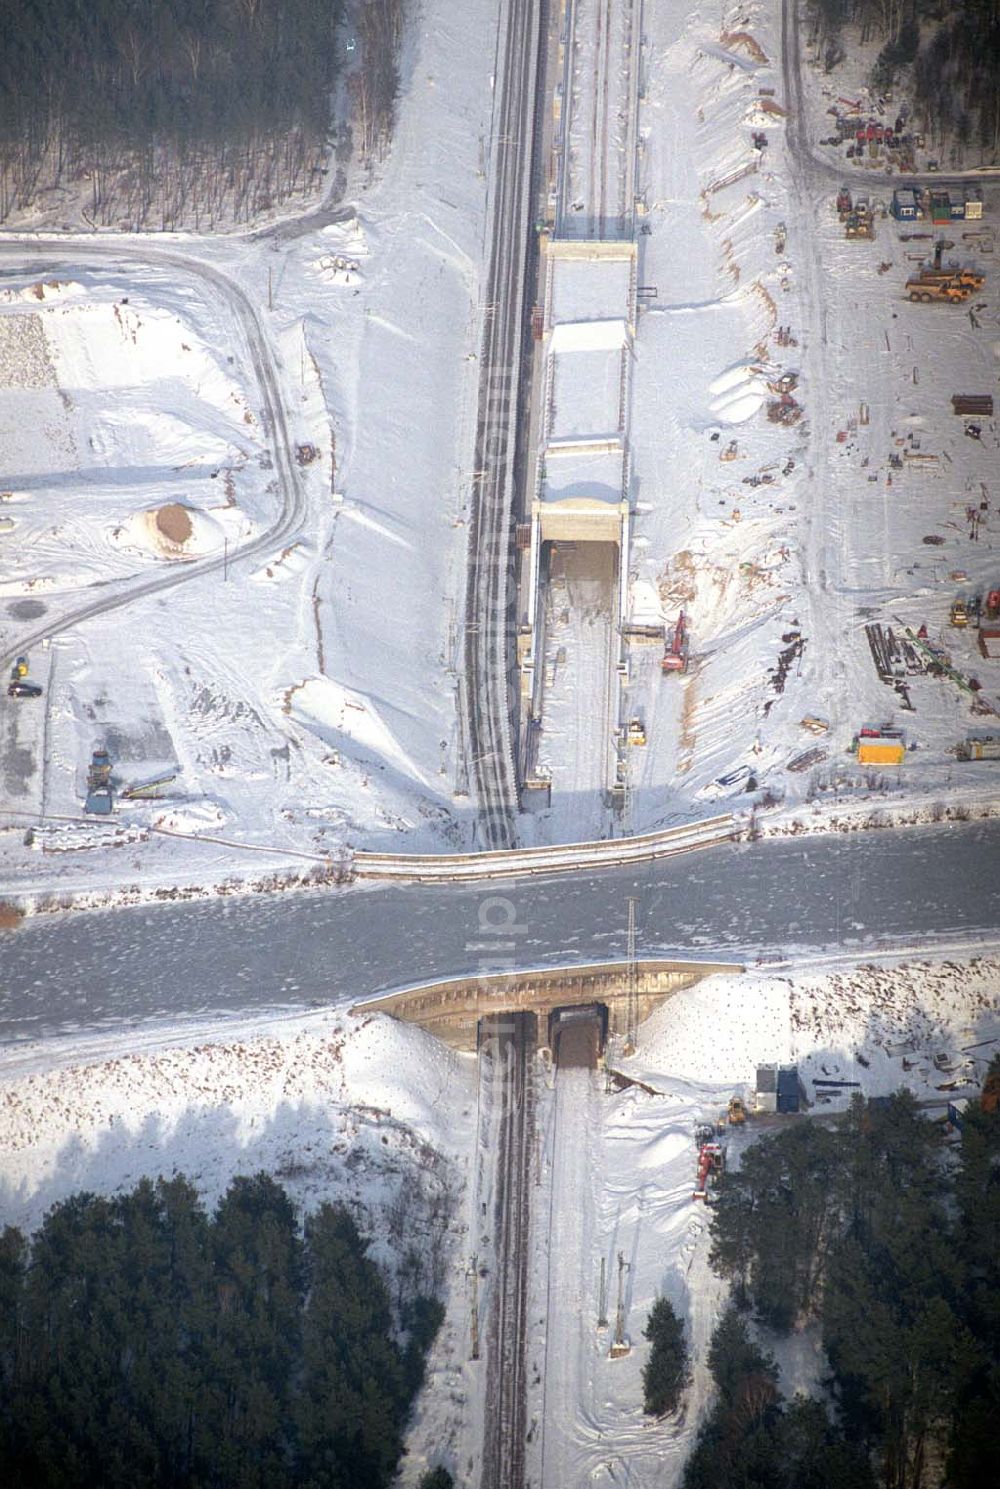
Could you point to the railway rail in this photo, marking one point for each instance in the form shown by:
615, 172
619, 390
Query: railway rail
600, 84
508, 1044
574, 1118
489, 690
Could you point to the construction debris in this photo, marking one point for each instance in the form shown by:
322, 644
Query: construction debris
784, 410
808, 759
978, 404
787, 657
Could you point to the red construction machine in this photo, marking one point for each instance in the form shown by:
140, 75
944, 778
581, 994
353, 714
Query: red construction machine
711, 1160
675, 656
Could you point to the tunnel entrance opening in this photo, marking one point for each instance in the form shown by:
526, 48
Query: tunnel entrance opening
577, 1034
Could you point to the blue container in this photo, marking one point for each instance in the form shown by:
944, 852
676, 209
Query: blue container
788, 1089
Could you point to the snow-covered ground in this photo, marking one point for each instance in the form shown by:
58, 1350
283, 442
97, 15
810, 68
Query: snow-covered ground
381, 1116
832, 535
306, 701
618, 1171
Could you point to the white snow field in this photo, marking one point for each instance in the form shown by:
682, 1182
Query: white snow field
304, 700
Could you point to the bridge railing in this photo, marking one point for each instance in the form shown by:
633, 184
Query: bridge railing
515, 863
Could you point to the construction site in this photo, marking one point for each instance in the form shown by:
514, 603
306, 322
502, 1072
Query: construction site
563, 708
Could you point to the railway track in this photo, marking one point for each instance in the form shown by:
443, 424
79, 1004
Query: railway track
574, 1117
599, 86
490, 683
508, 1043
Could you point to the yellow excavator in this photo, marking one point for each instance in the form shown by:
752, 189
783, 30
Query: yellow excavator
737, 1112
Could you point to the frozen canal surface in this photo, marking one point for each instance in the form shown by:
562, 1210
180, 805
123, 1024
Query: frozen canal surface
918, 887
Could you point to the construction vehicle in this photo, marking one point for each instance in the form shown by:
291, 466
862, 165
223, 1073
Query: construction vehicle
938, 663
968, 279
635, 734
943, 291
100, 798
675, 656
737, 1112
711, 1160
939, 272
19, 669
959, 614
859, 225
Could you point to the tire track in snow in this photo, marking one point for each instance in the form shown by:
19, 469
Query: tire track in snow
51, 253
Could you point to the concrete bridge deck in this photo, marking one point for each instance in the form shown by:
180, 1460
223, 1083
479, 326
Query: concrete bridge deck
452, 1009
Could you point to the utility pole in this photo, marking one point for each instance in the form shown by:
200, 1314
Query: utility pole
620, 1345
632, 986
474, 1321
602, 1302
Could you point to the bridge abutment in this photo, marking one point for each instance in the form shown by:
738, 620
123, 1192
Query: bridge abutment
452, 1009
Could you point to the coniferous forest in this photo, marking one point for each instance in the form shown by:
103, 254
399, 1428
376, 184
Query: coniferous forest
181, 112
888, 1243
144, 1342
950, 55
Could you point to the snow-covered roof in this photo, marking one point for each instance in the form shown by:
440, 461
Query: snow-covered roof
589, 336
583, 289
585, 398
577, 471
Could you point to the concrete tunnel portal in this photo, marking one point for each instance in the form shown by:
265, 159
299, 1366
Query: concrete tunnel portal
452, 1010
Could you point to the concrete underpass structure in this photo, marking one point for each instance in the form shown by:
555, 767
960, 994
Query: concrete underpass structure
575, 524
570, 644
452, 1010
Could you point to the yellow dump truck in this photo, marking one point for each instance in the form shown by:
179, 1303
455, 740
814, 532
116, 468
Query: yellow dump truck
948, 291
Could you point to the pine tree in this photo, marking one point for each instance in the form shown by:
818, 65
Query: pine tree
436, 1478
665, 1373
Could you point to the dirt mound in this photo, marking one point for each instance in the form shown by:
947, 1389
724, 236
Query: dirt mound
736, 40
174, 523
